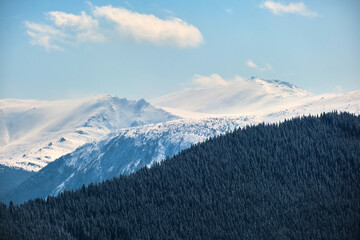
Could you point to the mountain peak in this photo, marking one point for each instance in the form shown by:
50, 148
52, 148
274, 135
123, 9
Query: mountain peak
29, 126
273, 81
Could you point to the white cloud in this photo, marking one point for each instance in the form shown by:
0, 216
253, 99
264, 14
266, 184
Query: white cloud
251, 64
149, 28
66, 28
214, 80
83, 21
294, 8
44, 35
83, 27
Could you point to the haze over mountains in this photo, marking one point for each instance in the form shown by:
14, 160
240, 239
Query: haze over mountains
121, 136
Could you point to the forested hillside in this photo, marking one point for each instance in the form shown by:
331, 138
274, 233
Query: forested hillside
295, 180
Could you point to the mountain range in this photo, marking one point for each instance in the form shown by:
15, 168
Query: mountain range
289, 180
68, 143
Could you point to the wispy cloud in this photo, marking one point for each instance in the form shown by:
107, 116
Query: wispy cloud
214, 80
294, 8
149, 28
83, 27
44, 35
251, 64
229, 11
266, 67
66, 28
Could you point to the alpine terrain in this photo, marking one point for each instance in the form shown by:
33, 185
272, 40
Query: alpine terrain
118, 136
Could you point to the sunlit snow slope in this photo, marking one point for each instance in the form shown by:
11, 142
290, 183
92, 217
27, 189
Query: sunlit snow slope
34, 133
253, 96
348, 102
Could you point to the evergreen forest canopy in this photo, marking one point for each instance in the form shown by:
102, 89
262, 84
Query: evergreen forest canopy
295, 180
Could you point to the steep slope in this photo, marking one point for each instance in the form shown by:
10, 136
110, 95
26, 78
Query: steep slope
121, 152
297, 179
34, 132
251, 96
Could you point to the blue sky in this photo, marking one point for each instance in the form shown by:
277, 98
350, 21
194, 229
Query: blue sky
145, 49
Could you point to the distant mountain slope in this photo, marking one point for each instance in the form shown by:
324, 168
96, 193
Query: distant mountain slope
296, 179
34, 133
238, 97
121, 152
12, 177
348, 102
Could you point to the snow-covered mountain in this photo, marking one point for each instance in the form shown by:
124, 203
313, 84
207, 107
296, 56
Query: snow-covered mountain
200, 113
126, 150
34, 133
251, 96
315, 105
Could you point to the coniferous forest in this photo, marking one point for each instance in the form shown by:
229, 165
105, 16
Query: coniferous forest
299, 179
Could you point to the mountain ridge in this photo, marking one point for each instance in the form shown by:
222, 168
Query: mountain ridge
121, 153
